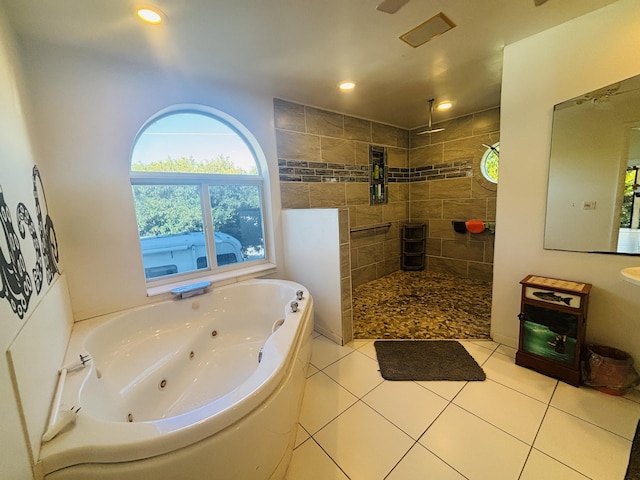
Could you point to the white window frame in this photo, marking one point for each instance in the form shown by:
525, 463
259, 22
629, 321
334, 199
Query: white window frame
215, 274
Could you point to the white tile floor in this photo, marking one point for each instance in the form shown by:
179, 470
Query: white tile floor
517, 424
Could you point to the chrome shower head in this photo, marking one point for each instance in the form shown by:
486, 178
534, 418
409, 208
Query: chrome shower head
430, 129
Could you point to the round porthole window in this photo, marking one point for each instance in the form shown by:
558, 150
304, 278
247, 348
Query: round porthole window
489, 162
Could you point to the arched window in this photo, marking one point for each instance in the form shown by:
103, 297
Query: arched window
198, 194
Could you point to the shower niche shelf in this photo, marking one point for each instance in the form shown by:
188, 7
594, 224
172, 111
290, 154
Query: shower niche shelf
377, 175
413, 246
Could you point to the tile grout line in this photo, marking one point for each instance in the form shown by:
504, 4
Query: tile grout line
535, 437
548, 406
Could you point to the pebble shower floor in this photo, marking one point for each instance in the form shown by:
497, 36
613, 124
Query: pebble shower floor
422, 305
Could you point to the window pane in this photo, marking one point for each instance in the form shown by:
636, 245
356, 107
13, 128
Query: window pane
237, 222
192, 143
490, 162
170, 228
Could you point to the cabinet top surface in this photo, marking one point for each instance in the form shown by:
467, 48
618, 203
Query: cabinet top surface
557, 284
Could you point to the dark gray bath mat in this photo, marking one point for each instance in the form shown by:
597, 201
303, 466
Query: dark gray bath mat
426, 360
633, 468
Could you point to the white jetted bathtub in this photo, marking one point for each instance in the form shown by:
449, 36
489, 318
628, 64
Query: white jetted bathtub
207, 387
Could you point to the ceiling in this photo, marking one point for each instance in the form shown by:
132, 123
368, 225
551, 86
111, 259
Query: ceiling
300, 50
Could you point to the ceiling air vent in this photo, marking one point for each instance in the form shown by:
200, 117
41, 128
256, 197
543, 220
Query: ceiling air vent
391, 6
436, 25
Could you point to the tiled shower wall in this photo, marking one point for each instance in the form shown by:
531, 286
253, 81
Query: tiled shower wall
451, 187
323, 160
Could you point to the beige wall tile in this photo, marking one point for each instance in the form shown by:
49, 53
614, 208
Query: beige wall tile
416, 140
491, 209
448, 265
363, 275
322, 122
397, 157
388, 266
487, 121
370, 254
479, 187
288, 115
392, 248
362, 238
394, 212
343, 225
403, 193
327, 194
345, 260
297, 146
392, 232
362, 153
357, 193
489, 242
481, 271
353, 254
367, 215
463, 250
397, 192
357, 129
403, 138
457, 128
467, 148
426, 155
434, 247
431, 209
465, 209
345, 291
347, 326
294, 194
442, 229
382, 134
451, 188
337, 150
352, 218
419, 191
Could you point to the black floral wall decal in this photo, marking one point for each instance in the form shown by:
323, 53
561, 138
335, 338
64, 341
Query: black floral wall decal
16, 285
47, 233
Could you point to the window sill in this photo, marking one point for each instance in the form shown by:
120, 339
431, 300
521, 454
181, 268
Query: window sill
217, 279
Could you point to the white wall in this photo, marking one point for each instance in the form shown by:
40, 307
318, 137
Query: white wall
52, 323
312, 247
89, 111
574, 58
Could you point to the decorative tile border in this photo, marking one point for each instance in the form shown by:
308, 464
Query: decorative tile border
300, 171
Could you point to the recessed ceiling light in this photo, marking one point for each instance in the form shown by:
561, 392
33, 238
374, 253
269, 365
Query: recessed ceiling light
150, 15
445, 105
346, 86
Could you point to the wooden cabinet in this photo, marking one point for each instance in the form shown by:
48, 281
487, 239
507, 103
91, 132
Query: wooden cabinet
553, 318
377, 175
413, 246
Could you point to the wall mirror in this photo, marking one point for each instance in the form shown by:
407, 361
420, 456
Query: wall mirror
593, 196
